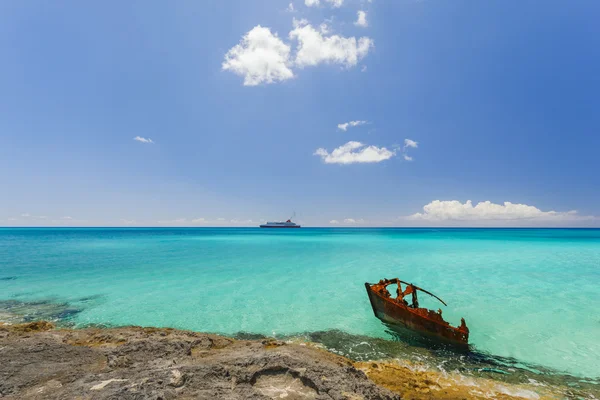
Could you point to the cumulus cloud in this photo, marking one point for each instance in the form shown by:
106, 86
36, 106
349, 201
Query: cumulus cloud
314, 3
410, 143
290, 8
260, 57
199, 221
407, 157
350, 124
143, 139
361, 19
454, 210
334, 222
336, 3
315, 48
355, 152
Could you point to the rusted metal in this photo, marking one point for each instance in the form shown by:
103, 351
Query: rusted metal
399, 311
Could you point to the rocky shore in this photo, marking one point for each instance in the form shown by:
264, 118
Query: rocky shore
38, 361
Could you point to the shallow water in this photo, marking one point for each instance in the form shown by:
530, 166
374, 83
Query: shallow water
528, 295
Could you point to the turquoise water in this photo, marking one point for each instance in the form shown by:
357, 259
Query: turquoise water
528, 294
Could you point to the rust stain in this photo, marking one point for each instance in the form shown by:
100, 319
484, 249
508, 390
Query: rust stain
399, 311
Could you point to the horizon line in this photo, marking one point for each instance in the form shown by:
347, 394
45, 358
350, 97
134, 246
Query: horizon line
305, 227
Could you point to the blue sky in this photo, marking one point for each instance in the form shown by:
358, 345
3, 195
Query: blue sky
498, 98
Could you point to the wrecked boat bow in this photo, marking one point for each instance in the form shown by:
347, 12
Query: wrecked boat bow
397, 311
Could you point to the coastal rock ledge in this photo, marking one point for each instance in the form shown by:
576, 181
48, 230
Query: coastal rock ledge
40, 362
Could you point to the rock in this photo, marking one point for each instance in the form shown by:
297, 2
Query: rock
36, 326
177, 378
103, 384
153, 363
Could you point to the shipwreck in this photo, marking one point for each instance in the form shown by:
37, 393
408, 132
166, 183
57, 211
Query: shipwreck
397, 311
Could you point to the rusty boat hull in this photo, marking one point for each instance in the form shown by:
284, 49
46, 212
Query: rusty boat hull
421, 320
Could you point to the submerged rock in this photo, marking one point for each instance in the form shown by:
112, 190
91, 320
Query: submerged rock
15, 311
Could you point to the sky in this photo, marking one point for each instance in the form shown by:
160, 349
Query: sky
346, 112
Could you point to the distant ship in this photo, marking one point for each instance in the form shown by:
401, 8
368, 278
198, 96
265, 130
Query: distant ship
286, 224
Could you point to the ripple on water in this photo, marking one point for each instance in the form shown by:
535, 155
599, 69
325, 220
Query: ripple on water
447, 360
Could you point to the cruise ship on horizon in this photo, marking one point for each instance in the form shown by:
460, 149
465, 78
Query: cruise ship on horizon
286, 224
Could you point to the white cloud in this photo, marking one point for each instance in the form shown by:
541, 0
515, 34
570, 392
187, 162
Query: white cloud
410, 143
363, 69
361, 19
454, 210
143, 139
334, 222
351, 124
260, 57
67, 217
355, 152
314, 3
199, 221
314, 47
27, 215
11, 219
290, 8
353, 221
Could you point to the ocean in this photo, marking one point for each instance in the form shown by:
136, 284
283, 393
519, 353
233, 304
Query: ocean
530, 297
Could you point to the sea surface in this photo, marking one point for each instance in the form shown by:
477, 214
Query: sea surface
531, 297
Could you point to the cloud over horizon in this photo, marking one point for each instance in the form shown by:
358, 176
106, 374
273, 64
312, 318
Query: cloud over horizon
454, 210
